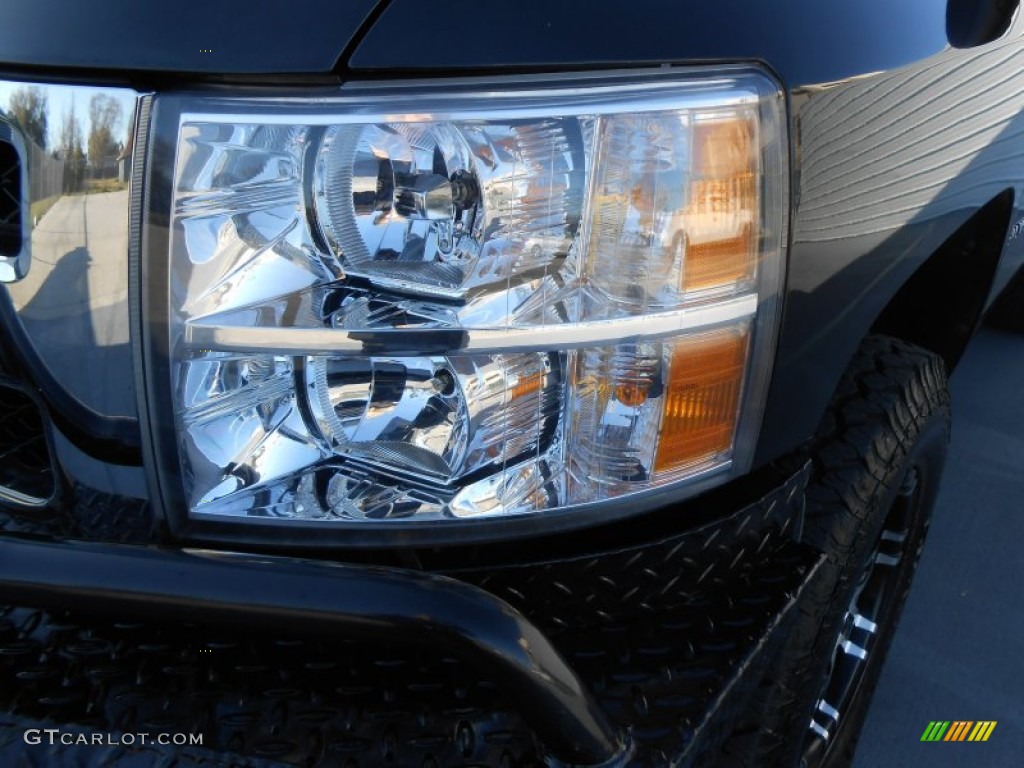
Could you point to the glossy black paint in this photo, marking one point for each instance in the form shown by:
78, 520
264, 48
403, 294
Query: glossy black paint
889, 168
448, 615
805, 41
190, 36
114, 438
970, 22
898, 139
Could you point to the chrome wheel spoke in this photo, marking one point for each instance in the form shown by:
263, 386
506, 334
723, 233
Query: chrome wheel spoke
876, 587
862, 622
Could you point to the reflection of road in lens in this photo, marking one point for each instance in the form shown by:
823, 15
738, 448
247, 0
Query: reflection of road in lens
74, 300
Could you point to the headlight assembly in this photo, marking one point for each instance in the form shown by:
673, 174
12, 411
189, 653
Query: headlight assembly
408, 308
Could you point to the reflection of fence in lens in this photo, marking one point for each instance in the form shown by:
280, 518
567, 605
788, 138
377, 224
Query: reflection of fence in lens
46, 174
104, 168
52, 174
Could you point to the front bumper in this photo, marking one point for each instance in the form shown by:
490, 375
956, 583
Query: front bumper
640, 653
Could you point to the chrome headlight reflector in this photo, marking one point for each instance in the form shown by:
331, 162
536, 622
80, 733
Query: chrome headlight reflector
533, 300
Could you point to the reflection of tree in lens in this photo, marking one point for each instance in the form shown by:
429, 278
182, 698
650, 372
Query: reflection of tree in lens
71, 151
104, 121
28, 108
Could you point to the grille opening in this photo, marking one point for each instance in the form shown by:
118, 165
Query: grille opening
10, 201
25, 465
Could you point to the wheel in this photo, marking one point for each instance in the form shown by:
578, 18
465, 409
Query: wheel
878, 460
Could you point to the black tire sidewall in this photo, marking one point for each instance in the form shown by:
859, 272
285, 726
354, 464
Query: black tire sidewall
838, 576
928, 455
890, 412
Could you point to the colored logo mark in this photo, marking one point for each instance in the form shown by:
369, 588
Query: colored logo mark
959, 730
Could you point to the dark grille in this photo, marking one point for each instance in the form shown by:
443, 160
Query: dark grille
25, 466
331, 703
10, 201
670, 666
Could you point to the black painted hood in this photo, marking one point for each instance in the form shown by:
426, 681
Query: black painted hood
806, 41
199, 36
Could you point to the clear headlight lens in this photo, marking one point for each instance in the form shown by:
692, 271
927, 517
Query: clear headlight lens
458, 304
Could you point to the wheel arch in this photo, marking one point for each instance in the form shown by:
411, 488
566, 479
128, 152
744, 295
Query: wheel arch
941, 304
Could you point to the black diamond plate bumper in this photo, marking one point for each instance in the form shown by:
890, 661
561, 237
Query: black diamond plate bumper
636, 654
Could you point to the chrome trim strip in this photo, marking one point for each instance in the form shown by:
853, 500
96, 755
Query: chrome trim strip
513, 99
326, 341
822, 732
883, 559
863, 622
850, 648
828, 710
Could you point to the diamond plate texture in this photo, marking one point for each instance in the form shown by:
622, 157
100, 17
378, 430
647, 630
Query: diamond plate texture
668, 636
672, 680
26, 466
290, 699
655, 577
91, 515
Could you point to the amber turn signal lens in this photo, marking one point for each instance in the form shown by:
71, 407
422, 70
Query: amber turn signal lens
702, 399
722, 218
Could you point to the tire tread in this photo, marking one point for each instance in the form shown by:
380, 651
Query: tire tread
887, 395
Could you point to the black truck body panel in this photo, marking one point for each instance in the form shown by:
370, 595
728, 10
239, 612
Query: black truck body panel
125, 38
806, 42
900, 145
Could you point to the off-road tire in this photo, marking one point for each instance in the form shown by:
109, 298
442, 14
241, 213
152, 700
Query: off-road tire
890, 417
